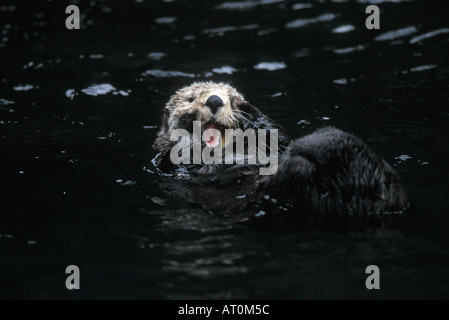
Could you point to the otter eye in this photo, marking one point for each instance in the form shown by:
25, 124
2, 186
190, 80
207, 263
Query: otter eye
191, 99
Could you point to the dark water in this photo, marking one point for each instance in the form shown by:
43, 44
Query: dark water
77, 183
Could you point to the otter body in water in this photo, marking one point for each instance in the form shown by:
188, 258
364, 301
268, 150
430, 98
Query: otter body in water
325, 176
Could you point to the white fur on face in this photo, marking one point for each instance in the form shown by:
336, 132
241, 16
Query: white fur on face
192, 99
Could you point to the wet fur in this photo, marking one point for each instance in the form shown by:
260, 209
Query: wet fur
327, 177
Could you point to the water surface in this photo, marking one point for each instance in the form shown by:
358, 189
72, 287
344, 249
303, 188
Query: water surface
79, 111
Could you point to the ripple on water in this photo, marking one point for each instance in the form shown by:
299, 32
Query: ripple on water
214, 32
302, 53
224, 70
395, 34
7, 8
401, 159
98, 90
270, 66
4, 102
245, 5
25, 87
95, 56
71, 93
429, 35
106, 9
40, 65
376, 1
299, 23
260, 213
189, 37
344, 29
421, 68
341, 81
424, 68
266, 32
167, 74
165, 20
156, 55
126, 182
110, 135
350, 49
300, 6
121, 92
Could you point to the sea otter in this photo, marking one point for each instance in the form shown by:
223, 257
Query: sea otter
327, 177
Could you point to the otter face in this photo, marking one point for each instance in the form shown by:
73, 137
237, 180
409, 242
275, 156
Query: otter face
215, 105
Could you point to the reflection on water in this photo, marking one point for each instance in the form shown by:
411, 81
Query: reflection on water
224, 70
350, 49
270, 66
167, 74
79, 111
429, 35
391, 35
218, 32
245, 5
344, 29
304, 22
156, 55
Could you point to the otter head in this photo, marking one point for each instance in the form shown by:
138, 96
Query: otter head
214, 105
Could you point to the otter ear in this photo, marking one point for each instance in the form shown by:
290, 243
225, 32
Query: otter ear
237, 102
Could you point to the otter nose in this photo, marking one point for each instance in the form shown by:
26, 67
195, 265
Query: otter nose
214, 102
